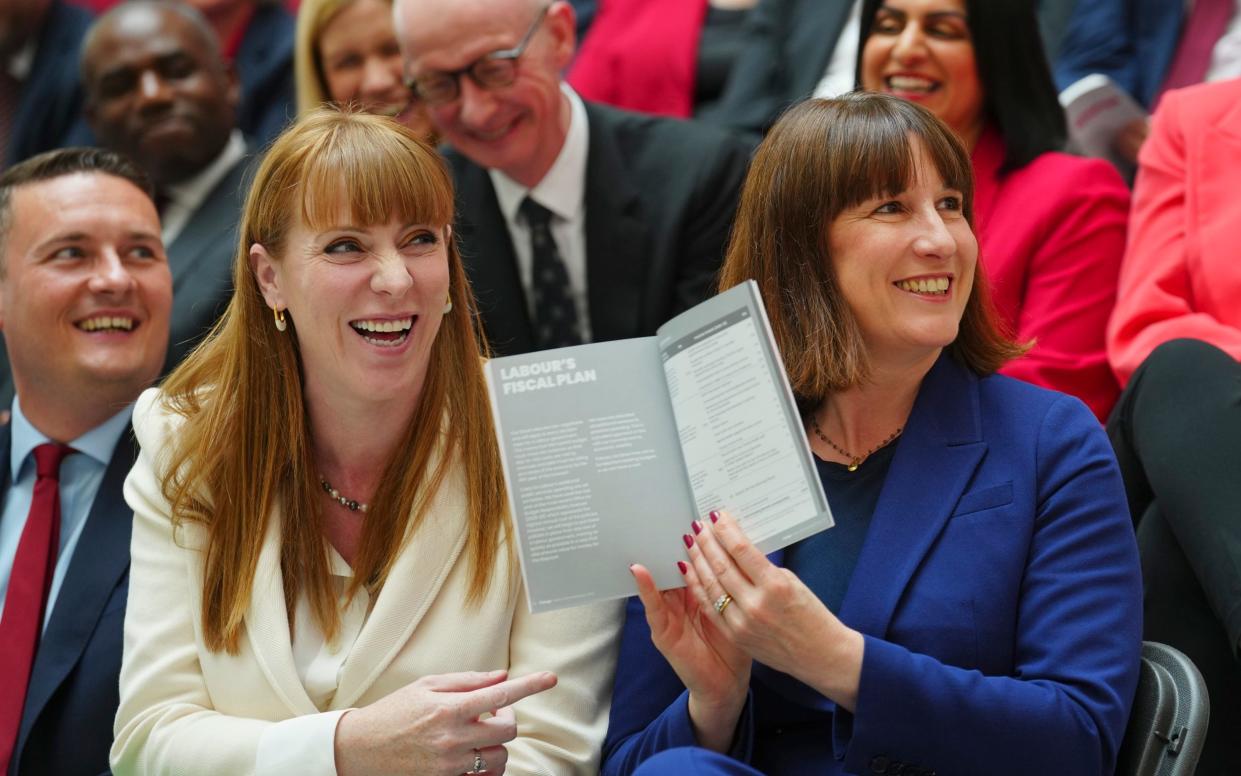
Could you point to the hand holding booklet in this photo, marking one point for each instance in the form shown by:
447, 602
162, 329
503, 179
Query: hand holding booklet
610, 450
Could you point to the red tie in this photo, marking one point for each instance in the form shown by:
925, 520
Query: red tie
1207, 22
26, 599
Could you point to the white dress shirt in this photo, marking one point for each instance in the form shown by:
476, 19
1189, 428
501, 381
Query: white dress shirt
187, 196
563, 192
841, 74
80, 477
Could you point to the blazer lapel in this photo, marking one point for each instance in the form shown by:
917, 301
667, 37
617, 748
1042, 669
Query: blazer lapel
617, 240
934, 462
487, 251
98, 566
426, 561
214, 220
267, 623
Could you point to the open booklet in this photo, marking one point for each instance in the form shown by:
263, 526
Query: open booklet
1096, 109
610, 450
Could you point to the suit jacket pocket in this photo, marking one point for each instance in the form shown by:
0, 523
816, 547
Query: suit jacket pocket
984, 498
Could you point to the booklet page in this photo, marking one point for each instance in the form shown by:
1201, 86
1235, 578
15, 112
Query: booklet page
743, 443
594, 472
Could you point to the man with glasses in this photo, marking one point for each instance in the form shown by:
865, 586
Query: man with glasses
578, 222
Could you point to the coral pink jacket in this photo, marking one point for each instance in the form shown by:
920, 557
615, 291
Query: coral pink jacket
1182, 270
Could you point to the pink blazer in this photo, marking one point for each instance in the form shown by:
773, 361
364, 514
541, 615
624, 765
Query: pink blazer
641, 55
1182, 271
1051, 236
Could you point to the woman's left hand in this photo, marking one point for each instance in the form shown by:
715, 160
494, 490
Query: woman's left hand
773, 616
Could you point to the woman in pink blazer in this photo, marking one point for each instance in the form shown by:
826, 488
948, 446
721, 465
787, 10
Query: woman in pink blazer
1051, 227
1174, 343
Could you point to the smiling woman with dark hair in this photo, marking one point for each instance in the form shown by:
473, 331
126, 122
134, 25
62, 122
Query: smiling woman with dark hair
976, 607
1051, 226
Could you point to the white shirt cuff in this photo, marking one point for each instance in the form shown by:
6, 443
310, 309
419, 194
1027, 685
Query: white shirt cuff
303, 745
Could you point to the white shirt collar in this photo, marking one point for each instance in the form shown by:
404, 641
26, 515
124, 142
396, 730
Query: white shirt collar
98, 443
563, 189
185, 197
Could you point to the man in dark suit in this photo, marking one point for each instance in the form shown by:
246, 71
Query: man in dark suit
85, 294
158, 91
577, 222
40, 99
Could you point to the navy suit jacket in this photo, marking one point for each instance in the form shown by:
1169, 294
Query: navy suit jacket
265, 68
660, 199
1132, 41
49, 109
999, 594
66, 727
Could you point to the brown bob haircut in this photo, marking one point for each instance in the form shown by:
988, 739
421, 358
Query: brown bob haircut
245, 445
821, 158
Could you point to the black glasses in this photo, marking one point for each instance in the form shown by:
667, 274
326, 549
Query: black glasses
493, 71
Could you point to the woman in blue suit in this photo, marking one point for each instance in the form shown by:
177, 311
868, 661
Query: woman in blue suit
977, 607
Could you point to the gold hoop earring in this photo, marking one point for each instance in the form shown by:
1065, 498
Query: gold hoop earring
448, 305
281, 324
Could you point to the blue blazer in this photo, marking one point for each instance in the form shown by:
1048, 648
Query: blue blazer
71, 701
1132, 41
999, 594
49, 109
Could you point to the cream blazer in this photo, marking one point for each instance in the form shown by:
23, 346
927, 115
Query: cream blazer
187, 710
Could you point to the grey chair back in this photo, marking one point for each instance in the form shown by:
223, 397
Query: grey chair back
1168, 724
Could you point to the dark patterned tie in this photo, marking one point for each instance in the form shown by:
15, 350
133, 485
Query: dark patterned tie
555, 315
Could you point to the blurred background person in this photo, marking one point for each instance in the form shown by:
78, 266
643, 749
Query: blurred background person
979, 595
802, 48
85, 294
1051, 227
40, 96
1175, 343
670, 58
1148, 47
255, 38
346, 53
322, 575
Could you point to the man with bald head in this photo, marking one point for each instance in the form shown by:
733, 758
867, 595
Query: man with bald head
577, 222
158, 92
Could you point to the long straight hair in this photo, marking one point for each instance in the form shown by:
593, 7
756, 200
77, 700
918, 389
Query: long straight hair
820, 159
245, 445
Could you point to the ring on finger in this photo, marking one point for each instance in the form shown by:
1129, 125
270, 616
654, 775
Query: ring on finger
722, 603
480, 765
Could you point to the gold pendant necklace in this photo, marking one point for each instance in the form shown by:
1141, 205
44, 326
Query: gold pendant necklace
854, 460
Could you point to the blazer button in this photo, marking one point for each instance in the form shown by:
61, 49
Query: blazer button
879, 764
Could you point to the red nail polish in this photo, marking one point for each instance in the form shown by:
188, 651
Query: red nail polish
689, 540
681, 565
715, 517
697, 527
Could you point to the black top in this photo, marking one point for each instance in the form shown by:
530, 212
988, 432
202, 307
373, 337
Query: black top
826, 560
723, 38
